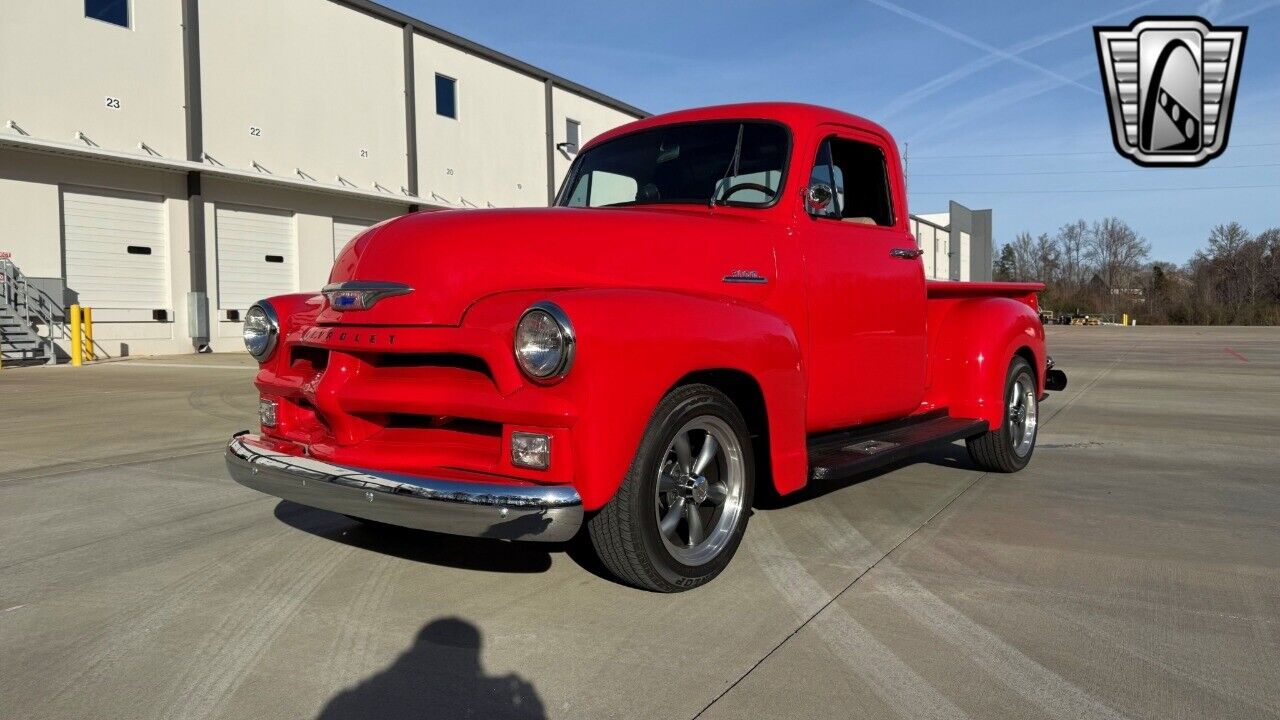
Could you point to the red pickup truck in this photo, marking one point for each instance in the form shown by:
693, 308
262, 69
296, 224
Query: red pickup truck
720, 298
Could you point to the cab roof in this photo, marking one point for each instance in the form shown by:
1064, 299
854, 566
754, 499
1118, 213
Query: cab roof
794, 115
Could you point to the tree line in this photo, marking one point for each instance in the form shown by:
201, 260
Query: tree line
1104, 267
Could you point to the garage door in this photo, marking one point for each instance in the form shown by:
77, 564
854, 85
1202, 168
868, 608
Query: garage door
257, 255
344, 230
117, 249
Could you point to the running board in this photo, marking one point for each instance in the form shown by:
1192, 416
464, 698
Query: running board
847, 453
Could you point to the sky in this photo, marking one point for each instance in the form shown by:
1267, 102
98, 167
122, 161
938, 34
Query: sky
996, 104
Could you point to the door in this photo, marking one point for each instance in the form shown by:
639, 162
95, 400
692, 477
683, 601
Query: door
117, 249
257, 255
865, 286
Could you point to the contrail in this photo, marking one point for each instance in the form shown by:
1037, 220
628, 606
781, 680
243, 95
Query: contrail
935, 85
970, 40
1005, 96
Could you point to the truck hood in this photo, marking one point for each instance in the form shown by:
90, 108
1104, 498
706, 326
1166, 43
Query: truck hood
453, 258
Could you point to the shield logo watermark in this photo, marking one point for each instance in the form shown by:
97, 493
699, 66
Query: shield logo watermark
1170, 88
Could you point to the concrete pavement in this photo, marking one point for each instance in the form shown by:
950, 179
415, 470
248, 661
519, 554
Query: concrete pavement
1130, 571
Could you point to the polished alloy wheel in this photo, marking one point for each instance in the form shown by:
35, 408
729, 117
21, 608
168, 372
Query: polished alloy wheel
1022, 415
700, 490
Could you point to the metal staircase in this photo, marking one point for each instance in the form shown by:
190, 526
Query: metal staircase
24, 309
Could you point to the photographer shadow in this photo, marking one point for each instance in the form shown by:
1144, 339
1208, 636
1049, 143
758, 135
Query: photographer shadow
440, 676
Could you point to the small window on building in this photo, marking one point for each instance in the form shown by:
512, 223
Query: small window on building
115, 12
446, 96
571, 128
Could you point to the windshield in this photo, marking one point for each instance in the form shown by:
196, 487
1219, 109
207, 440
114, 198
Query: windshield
722, 162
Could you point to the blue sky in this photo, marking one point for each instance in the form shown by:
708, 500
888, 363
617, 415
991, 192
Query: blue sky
999, 102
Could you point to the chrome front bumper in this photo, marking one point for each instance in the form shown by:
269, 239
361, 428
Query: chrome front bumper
507, 512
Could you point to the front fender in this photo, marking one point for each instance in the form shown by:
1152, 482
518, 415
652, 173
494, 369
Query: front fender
975, 340
635, 345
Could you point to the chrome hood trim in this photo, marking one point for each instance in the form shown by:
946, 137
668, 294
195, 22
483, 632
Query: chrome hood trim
361, 294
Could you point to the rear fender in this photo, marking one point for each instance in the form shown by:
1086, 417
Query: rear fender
973, 342
635, 345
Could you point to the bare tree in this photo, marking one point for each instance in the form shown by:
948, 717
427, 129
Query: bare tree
1046, 259
1117, 252
1227, 239
1073, 248
1024, 256
1270, 242
1234, 279
1234, 264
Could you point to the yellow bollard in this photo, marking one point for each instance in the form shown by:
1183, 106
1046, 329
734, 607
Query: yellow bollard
77, 350
1125, 320
87, 322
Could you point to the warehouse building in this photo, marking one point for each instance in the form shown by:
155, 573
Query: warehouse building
168, 162
957, 244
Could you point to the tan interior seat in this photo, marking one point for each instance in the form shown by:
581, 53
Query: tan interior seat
859, 220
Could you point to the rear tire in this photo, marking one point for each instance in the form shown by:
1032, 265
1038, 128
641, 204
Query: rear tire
1008, 448
681, 511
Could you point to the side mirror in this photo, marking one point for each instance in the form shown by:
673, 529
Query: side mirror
817, 197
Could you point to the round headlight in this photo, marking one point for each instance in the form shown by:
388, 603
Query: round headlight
544, 342
261, 328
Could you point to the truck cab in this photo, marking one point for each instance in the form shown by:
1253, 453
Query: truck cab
719, 298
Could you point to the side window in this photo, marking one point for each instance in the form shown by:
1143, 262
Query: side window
571, 128
601, 189
115, 12
858, 174
446, 96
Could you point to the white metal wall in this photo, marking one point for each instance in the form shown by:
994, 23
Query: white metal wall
494, 152
117, 249
292, 85
936, 244
62, 73
304, 85
257, 255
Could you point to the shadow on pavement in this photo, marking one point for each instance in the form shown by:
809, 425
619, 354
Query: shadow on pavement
417, 545
440, 676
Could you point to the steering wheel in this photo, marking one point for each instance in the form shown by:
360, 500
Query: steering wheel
768, 191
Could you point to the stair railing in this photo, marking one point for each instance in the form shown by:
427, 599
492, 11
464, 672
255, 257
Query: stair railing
33, 305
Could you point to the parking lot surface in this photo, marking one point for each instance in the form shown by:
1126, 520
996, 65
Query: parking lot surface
1131, 571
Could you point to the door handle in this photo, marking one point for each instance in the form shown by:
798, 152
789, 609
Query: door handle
906, 253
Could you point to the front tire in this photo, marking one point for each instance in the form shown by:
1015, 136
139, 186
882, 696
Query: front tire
1008, 448
681, 511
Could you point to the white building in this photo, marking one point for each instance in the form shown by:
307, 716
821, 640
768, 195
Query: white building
956, 243
162, 156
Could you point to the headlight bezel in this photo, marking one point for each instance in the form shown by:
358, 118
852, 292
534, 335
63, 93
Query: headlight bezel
273, 330
568, 341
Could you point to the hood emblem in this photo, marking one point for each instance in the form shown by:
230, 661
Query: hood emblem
361, 294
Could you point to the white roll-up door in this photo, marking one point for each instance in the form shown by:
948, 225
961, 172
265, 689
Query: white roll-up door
344, 230
117, 249
257, 255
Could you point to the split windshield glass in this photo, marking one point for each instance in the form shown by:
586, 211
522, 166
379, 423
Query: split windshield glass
721, 162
